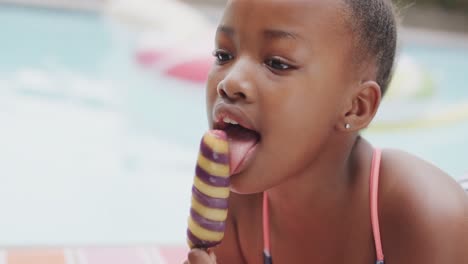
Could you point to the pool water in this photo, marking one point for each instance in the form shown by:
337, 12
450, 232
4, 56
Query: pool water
97, 149
439, 132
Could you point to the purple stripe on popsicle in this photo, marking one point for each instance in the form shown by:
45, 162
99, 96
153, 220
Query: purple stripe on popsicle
209, 179
200, 243
212, 155
216, 226
218, 203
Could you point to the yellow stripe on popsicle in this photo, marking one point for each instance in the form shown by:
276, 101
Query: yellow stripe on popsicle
215, 192
213, 168
209, 213
202, 233
216, 144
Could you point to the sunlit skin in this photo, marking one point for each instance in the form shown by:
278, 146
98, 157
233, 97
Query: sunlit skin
287, 66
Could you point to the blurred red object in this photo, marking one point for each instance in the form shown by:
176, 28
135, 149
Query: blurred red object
149, 58
194, 71
174, 254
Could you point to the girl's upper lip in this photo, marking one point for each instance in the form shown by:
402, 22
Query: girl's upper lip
232, 112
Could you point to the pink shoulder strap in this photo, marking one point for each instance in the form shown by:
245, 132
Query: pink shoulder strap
374, 189
374, 194
266, 231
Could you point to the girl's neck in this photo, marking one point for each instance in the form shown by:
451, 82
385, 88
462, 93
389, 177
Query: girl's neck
323, 189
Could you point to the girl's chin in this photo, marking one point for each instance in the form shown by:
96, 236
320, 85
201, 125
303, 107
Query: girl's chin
246, 183
243, 186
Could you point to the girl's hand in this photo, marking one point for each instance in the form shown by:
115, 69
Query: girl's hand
199, 256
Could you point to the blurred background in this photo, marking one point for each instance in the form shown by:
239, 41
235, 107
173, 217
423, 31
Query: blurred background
102, 109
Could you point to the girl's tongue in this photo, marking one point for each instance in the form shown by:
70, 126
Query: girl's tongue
241, 140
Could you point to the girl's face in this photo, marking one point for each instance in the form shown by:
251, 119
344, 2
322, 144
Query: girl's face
282, 69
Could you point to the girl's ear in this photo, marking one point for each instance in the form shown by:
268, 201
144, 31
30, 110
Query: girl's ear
362, 107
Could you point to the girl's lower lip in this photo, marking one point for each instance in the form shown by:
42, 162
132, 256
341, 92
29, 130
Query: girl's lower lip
246, 160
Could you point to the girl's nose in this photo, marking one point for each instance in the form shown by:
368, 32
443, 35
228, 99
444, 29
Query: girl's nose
238, 85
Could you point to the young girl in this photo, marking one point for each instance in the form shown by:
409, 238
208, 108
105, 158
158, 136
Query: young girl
294, 83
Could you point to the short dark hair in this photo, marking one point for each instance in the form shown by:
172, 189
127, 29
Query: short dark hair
374, 26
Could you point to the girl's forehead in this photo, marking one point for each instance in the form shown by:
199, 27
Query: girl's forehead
254, 6
299, 16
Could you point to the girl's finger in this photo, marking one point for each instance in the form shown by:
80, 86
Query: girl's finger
212, 255
198, 256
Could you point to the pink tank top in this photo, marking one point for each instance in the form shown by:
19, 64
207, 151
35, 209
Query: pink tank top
374, 190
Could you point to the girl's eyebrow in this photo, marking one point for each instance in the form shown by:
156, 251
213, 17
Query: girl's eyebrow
280, 34
226, 30
268, 33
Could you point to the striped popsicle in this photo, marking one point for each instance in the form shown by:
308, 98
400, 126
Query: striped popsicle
210, 192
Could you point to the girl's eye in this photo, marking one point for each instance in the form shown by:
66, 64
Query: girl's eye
277, 64
222, 56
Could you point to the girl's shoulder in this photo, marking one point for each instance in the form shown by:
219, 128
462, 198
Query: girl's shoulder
423, 211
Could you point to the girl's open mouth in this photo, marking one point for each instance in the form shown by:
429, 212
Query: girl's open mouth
242, 144
243, 141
